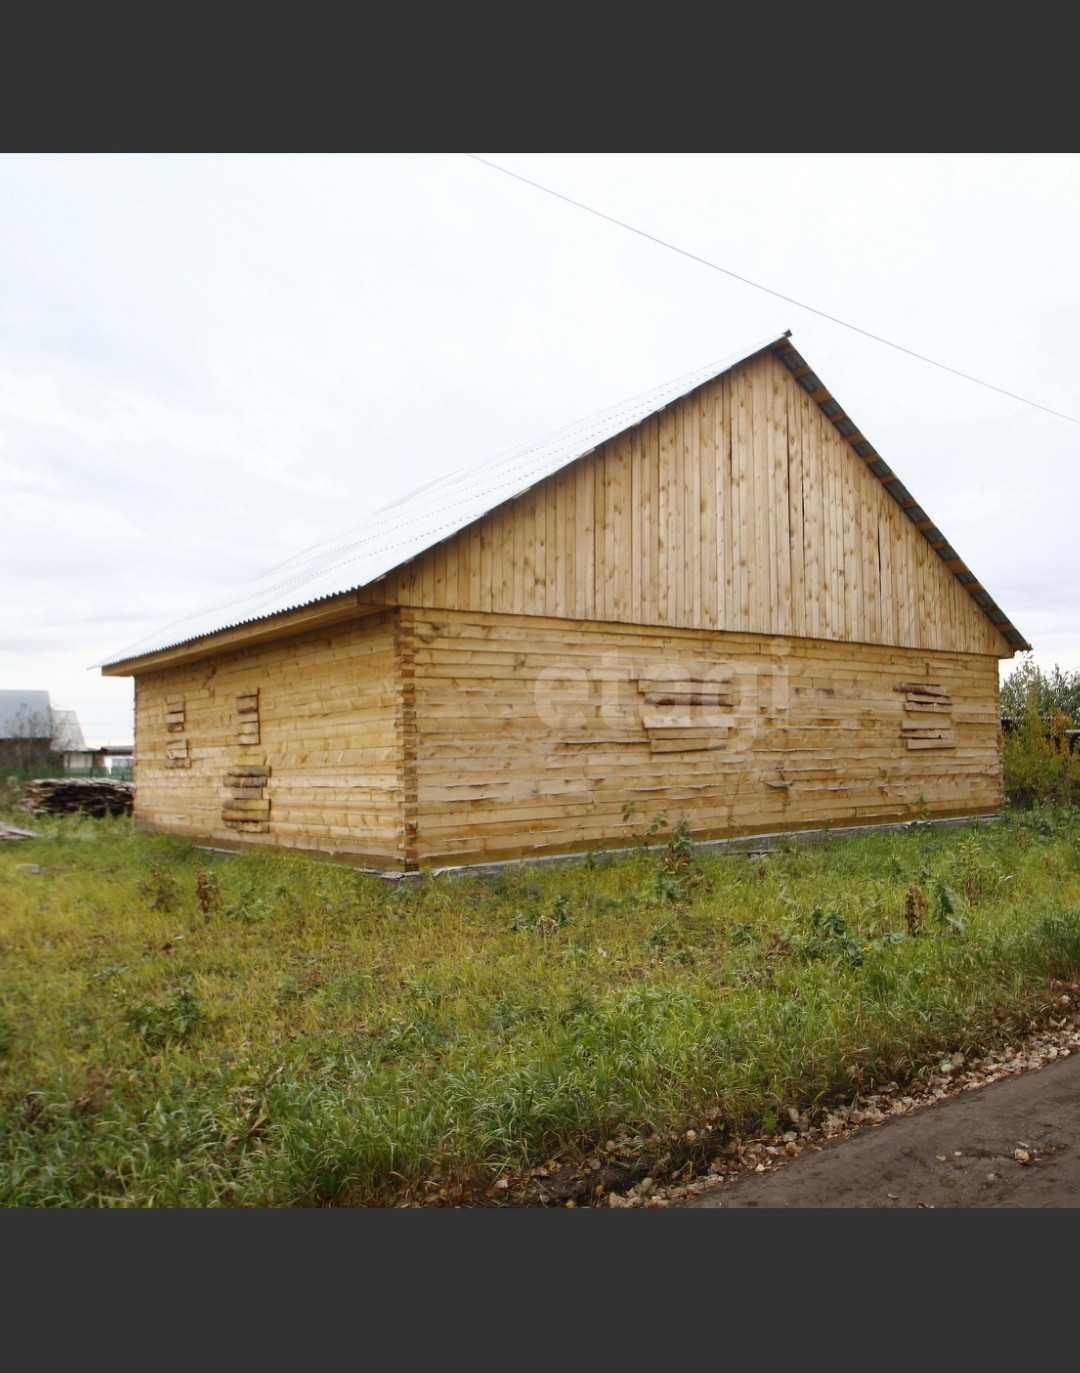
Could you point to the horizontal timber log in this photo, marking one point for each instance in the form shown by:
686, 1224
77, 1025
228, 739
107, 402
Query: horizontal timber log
477, 755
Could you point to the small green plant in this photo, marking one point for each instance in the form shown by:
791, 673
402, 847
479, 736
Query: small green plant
660, 935
168, 1020
560, 911
922, 813
915, 909
677, 879
830, 937
972, 869
109, 973
680, 847
207, 891
543, 922
251, 907
643, 838
666, 886
159, 888
945, 907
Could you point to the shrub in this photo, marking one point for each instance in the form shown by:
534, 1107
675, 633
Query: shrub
1041, 766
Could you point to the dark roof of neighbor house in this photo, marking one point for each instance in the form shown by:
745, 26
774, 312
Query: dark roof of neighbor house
408, 527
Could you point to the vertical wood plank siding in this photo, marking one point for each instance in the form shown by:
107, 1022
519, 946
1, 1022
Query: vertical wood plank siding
739, 507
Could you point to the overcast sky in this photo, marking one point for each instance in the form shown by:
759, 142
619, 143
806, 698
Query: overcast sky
208, 363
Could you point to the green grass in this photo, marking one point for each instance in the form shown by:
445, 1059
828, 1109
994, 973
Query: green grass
183, 1030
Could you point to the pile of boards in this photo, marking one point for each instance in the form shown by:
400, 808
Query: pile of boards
10, 832
85, 795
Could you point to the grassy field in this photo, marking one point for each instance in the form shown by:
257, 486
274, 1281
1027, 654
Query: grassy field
178, 1029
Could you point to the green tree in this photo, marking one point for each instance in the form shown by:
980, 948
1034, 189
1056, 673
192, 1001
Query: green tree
1042, 766
1055, 692
28, 749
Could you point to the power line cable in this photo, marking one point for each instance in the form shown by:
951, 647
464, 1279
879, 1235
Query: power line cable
822, 314
1047, 605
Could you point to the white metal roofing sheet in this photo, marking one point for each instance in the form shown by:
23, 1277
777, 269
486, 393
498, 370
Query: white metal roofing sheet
408, 527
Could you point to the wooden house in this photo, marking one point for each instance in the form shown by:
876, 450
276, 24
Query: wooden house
716, 600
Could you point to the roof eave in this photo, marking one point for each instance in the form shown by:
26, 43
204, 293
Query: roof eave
329, 610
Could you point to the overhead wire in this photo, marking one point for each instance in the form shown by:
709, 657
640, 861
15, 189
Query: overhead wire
1047, 605
799, 304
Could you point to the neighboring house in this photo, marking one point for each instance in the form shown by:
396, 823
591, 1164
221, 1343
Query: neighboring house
33, 733
25, 715
716, 600
115, 759
67, 732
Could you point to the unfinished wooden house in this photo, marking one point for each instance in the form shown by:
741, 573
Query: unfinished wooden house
716, 600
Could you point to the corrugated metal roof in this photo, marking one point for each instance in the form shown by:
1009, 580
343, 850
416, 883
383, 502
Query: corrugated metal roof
407, 528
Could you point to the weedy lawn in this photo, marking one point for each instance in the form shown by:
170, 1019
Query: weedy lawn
183, 1030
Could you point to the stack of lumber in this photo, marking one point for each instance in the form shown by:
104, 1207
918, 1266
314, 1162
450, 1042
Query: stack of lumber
88, 795
10, 832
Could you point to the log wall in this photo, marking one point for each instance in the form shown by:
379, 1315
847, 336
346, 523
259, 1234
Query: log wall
532, 734
409, 738
296, 743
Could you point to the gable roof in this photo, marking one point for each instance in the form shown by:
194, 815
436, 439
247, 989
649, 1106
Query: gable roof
67, 732
25, 715
408, 527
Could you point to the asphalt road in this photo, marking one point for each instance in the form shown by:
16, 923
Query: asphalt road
1012, 1143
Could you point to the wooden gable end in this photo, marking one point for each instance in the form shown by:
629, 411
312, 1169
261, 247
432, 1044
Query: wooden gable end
739, 507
